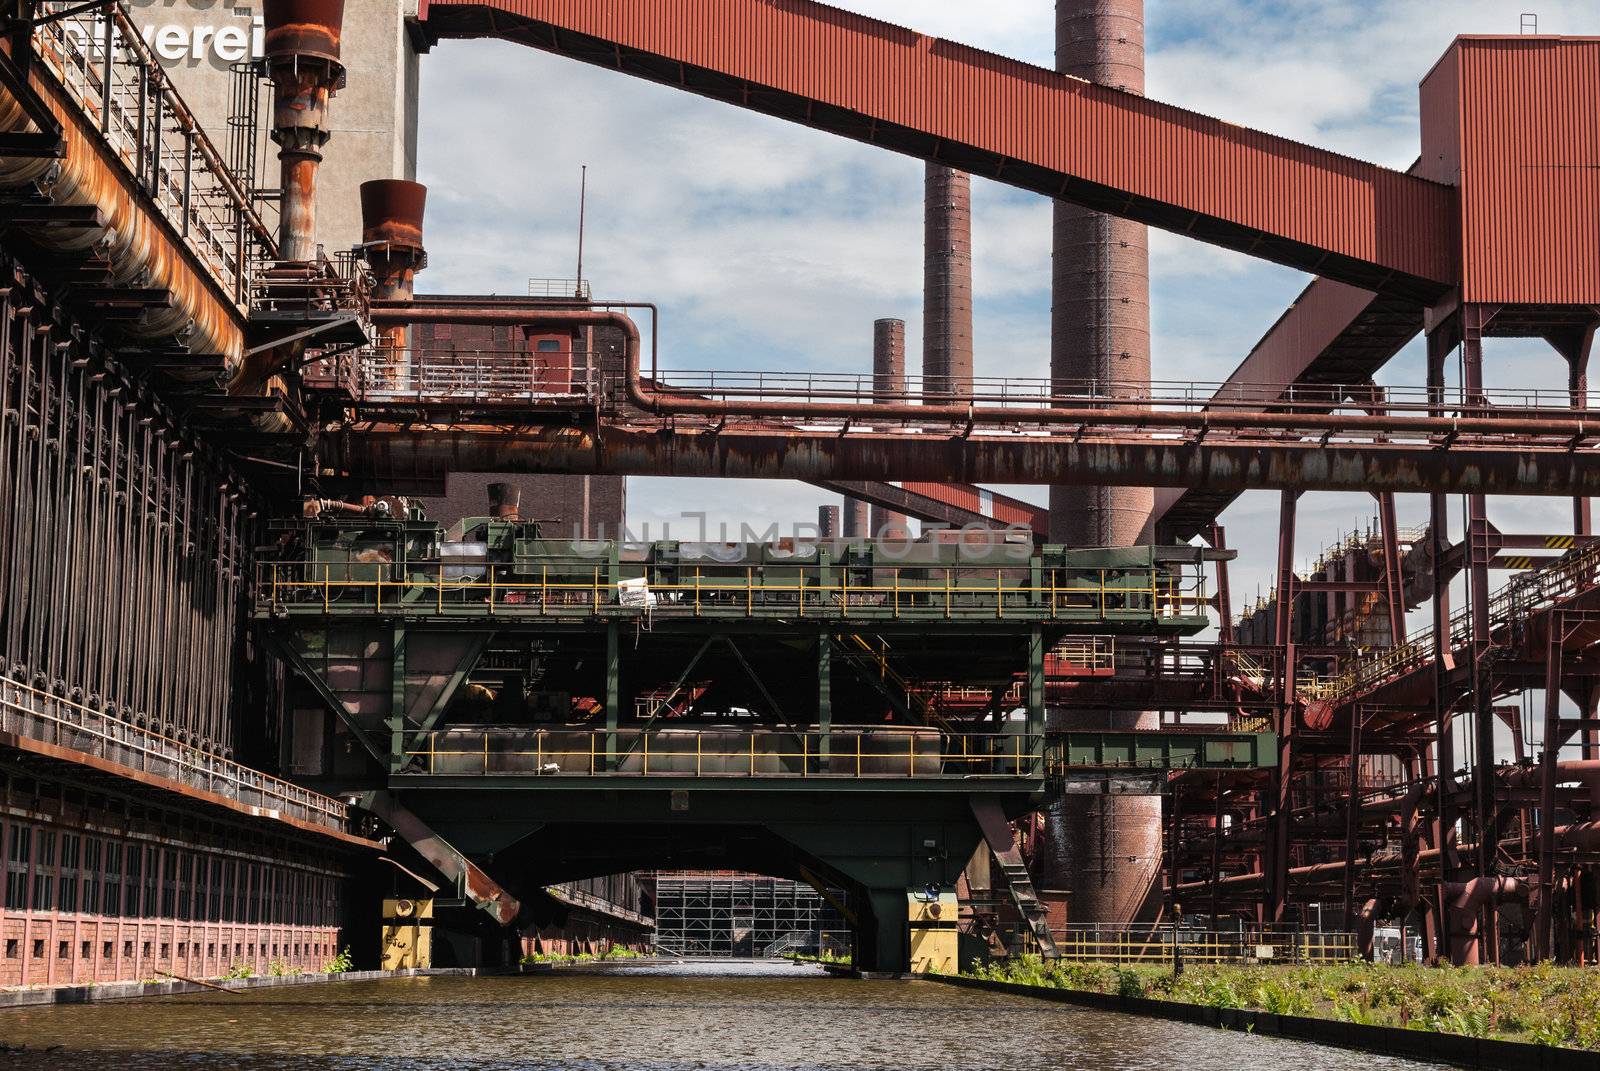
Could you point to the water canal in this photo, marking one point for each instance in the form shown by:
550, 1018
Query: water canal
691, 1017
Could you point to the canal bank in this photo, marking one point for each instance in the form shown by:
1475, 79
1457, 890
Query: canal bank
753, 1017
1454, 1050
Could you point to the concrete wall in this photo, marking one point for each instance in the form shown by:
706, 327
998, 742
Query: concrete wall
374, 117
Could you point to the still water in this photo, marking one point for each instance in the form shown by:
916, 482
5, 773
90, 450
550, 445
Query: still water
750, 1017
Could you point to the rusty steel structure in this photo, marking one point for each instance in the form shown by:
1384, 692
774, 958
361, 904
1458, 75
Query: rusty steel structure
198, 415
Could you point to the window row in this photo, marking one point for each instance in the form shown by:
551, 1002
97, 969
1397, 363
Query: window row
49, 870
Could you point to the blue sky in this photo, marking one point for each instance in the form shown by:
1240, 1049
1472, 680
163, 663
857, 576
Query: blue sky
772, 246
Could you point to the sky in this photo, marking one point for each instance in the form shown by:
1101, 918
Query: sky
770, 246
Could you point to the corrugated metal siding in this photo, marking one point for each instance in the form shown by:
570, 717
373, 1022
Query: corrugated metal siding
1029, 114
1002, 508
1530, 170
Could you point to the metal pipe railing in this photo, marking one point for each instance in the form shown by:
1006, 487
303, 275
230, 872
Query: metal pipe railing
50, 719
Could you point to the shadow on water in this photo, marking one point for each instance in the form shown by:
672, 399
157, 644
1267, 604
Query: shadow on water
673, 1017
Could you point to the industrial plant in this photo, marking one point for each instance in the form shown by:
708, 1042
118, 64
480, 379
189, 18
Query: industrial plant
324, 639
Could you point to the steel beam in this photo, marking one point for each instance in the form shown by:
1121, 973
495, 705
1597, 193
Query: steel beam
385, 457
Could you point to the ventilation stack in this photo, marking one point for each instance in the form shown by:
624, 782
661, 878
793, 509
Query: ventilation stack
391, 235
947, 284
888, 387
301, 45
1103, 850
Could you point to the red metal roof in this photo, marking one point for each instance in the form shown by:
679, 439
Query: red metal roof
1021, 124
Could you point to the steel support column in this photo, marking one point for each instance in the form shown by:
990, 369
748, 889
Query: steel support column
1281, 801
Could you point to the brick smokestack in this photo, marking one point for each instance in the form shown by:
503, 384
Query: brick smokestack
828, 522
1104, 850
947, 283
889, 385
1100, 278
855, 524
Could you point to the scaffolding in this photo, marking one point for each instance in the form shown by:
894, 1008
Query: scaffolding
730, 915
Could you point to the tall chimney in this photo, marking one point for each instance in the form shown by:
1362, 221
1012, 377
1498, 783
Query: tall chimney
828, 522
855, 525
947, 284
1100, 280
889, 385
1105, 850
301, 44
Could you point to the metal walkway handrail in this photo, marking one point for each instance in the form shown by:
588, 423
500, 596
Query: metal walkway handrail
37, 715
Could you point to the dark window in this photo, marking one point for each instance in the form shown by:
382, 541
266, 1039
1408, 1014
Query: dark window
127, 950
71, 847
17, 857
91, 875
549, 345
185, 879
11, 948
38, 948
215, 914
169, 885
44, 872
105, 950
113, 878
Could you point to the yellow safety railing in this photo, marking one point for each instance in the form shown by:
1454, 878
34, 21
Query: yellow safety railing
887, 591
1154, 944
849, 752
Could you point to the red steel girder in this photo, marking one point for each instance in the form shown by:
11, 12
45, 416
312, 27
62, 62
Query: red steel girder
1023, 125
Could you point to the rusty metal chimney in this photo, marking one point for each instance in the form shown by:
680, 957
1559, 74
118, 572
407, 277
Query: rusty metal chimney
301, 45
1100, 285
505, 501
947, 284
1105, 850
889, 386
828, 522
391, 237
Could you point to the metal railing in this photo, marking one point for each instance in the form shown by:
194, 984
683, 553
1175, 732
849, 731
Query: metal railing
1524, 594
1176, 395
1154, 944
843, 753
587, 588
119, 87
50, 719
567, 289
435, 375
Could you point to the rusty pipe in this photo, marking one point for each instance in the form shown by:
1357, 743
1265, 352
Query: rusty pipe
135, 243
1475, 893
667, 402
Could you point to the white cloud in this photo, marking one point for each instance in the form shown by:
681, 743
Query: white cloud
772, 246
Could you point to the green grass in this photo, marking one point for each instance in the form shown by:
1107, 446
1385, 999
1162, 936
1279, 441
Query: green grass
837, 958
1544, 1004
609, 955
